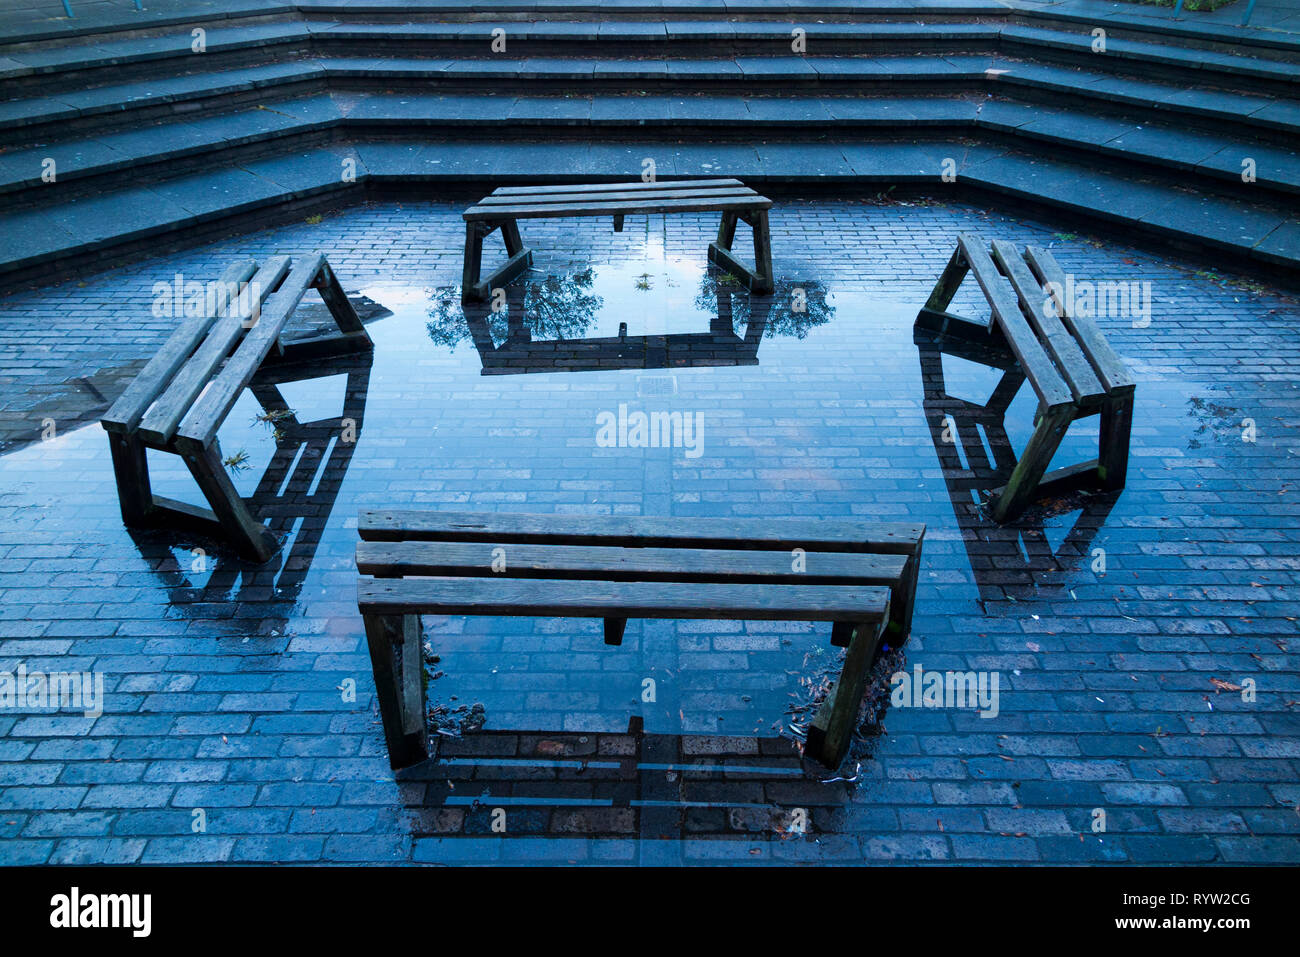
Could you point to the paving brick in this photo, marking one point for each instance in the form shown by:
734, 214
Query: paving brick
227, 682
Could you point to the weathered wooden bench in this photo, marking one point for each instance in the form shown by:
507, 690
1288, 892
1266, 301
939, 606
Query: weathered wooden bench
1068, 361
860, 576
509, 204
184, 393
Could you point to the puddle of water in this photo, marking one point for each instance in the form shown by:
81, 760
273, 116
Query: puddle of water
811, 404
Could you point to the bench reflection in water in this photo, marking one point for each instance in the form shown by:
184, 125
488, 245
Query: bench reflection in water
976, 455
540, 327
656, 789
295, 496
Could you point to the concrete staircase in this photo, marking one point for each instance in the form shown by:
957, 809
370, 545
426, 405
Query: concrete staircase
117, 137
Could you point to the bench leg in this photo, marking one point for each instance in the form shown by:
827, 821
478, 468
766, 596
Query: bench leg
474, 287
763, 283
473, 262
727, 231
131, 469
614, 628
941, 296
1023, 484
1112, 452
831, 730
898, 627
510, 236
397, 658
758, 279
253, 539
351, 336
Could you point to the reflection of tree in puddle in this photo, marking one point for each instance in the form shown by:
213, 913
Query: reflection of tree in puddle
796, 306
560, 308
1220, 422
557, 307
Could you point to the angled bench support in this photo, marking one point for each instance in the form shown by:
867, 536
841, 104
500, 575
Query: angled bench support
759, 278
520, 259
179, 400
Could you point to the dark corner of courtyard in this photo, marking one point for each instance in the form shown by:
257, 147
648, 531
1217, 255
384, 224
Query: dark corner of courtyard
691, 432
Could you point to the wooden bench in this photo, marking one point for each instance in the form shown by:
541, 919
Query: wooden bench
1072, 368
858, 575
507, 205
183, 394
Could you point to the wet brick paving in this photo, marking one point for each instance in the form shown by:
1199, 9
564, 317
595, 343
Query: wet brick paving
228, 732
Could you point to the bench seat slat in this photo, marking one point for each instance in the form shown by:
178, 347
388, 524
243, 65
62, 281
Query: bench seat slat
1047, 382
540, 597
150, 382
624, 564
625, 207
641, 531
1110, 368
635, 198
1083, 382
201, 423
611, 187
160, 422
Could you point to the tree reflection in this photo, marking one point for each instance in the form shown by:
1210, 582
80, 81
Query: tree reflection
795, 307
557, 307
560, 308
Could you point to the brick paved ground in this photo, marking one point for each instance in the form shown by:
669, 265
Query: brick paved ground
227, 686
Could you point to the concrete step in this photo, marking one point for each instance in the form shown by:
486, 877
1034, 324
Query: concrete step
120, 19
40, 243
90, 111
94, 61
15, 28
155, 151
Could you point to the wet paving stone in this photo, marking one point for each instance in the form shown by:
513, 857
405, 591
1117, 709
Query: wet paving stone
1143, 642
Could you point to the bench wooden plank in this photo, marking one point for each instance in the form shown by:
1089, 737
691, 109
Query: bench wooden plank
641, 531
1110, 368
635, 197
1047, 382
150, 382
617, 563
580, 598
609, 187
1083, 382
160, 422
627, 208
200, 425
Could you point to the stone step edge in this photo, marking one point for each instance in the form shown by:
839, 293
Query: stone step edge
128, 20
1126, 52
306, 126
372, 172
323, 70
